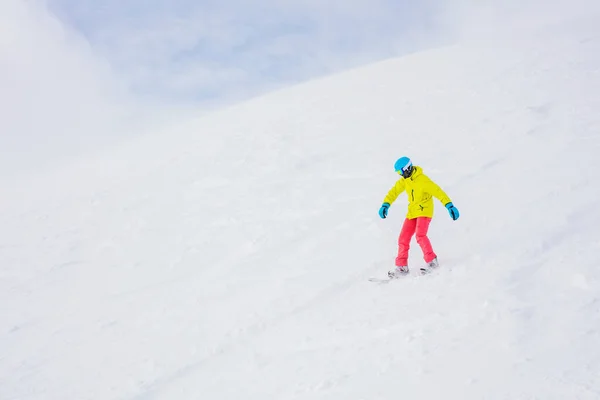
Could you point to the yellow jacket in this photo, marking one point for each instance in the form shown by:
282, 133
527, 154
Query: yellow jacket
420, 190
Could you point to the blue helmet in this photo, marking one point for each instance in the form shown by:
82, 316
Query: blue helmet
404, 167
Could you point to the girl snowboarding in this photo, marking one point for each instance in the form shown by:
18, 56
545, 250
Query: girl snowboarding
420, 190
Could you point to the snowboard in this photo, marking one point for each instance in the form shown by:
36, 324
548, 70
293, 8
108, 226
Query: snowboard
423, 271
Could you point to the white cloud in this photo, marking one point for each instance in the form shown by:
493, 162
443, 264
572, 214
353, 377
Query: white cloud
207, 50
273, 42
482, 19
56, 95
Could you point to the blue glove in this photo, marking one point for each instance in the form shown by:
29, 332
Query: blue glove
384, 209
453, 211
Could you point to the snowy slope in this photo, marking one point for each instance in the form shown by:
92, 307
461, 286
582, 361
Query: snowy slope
228, 257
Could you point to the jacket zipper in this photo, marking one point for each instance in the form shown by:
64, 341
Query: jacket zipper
412, 192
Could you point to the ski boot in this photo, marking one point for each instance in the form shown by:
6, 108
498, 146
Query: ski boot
398, 272
433, 264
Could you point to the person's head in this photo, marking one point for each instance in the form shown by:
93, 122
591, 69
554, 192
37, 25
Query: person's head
404, 167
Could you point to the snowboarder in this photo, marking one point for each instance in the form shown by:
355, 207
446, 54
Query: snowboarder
420, 190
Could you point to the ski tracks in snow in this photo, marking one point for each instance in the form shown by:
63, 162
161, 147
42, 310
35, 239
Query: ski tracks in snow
239, 341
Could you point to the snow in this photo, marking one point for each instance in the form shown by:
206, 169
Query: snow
229, 256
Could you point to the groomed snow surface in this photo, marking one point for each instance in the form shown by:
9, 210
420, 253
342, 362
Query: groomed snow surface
229, 257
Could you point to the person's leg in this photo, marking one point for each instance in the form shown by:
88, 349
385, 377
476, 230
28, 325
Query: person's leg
422, 226
406, 234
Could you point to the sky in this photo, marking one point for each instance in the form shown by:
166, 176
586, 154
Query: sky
213, 51
79, 75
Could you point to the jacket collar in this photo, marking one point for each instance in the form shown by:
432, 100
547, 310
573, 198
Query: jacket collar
416, 172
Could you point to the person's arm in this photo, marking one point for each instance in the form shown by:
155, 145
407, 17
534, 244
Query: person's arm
392, 195
394, 192
436, 191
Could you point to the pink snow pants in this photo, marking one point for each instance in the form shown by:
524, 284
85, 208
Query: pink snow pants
420, 226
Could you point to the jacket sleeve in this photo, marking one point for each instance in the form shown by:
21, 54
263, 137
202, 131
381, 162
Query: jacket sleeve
436, 191
394, 192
